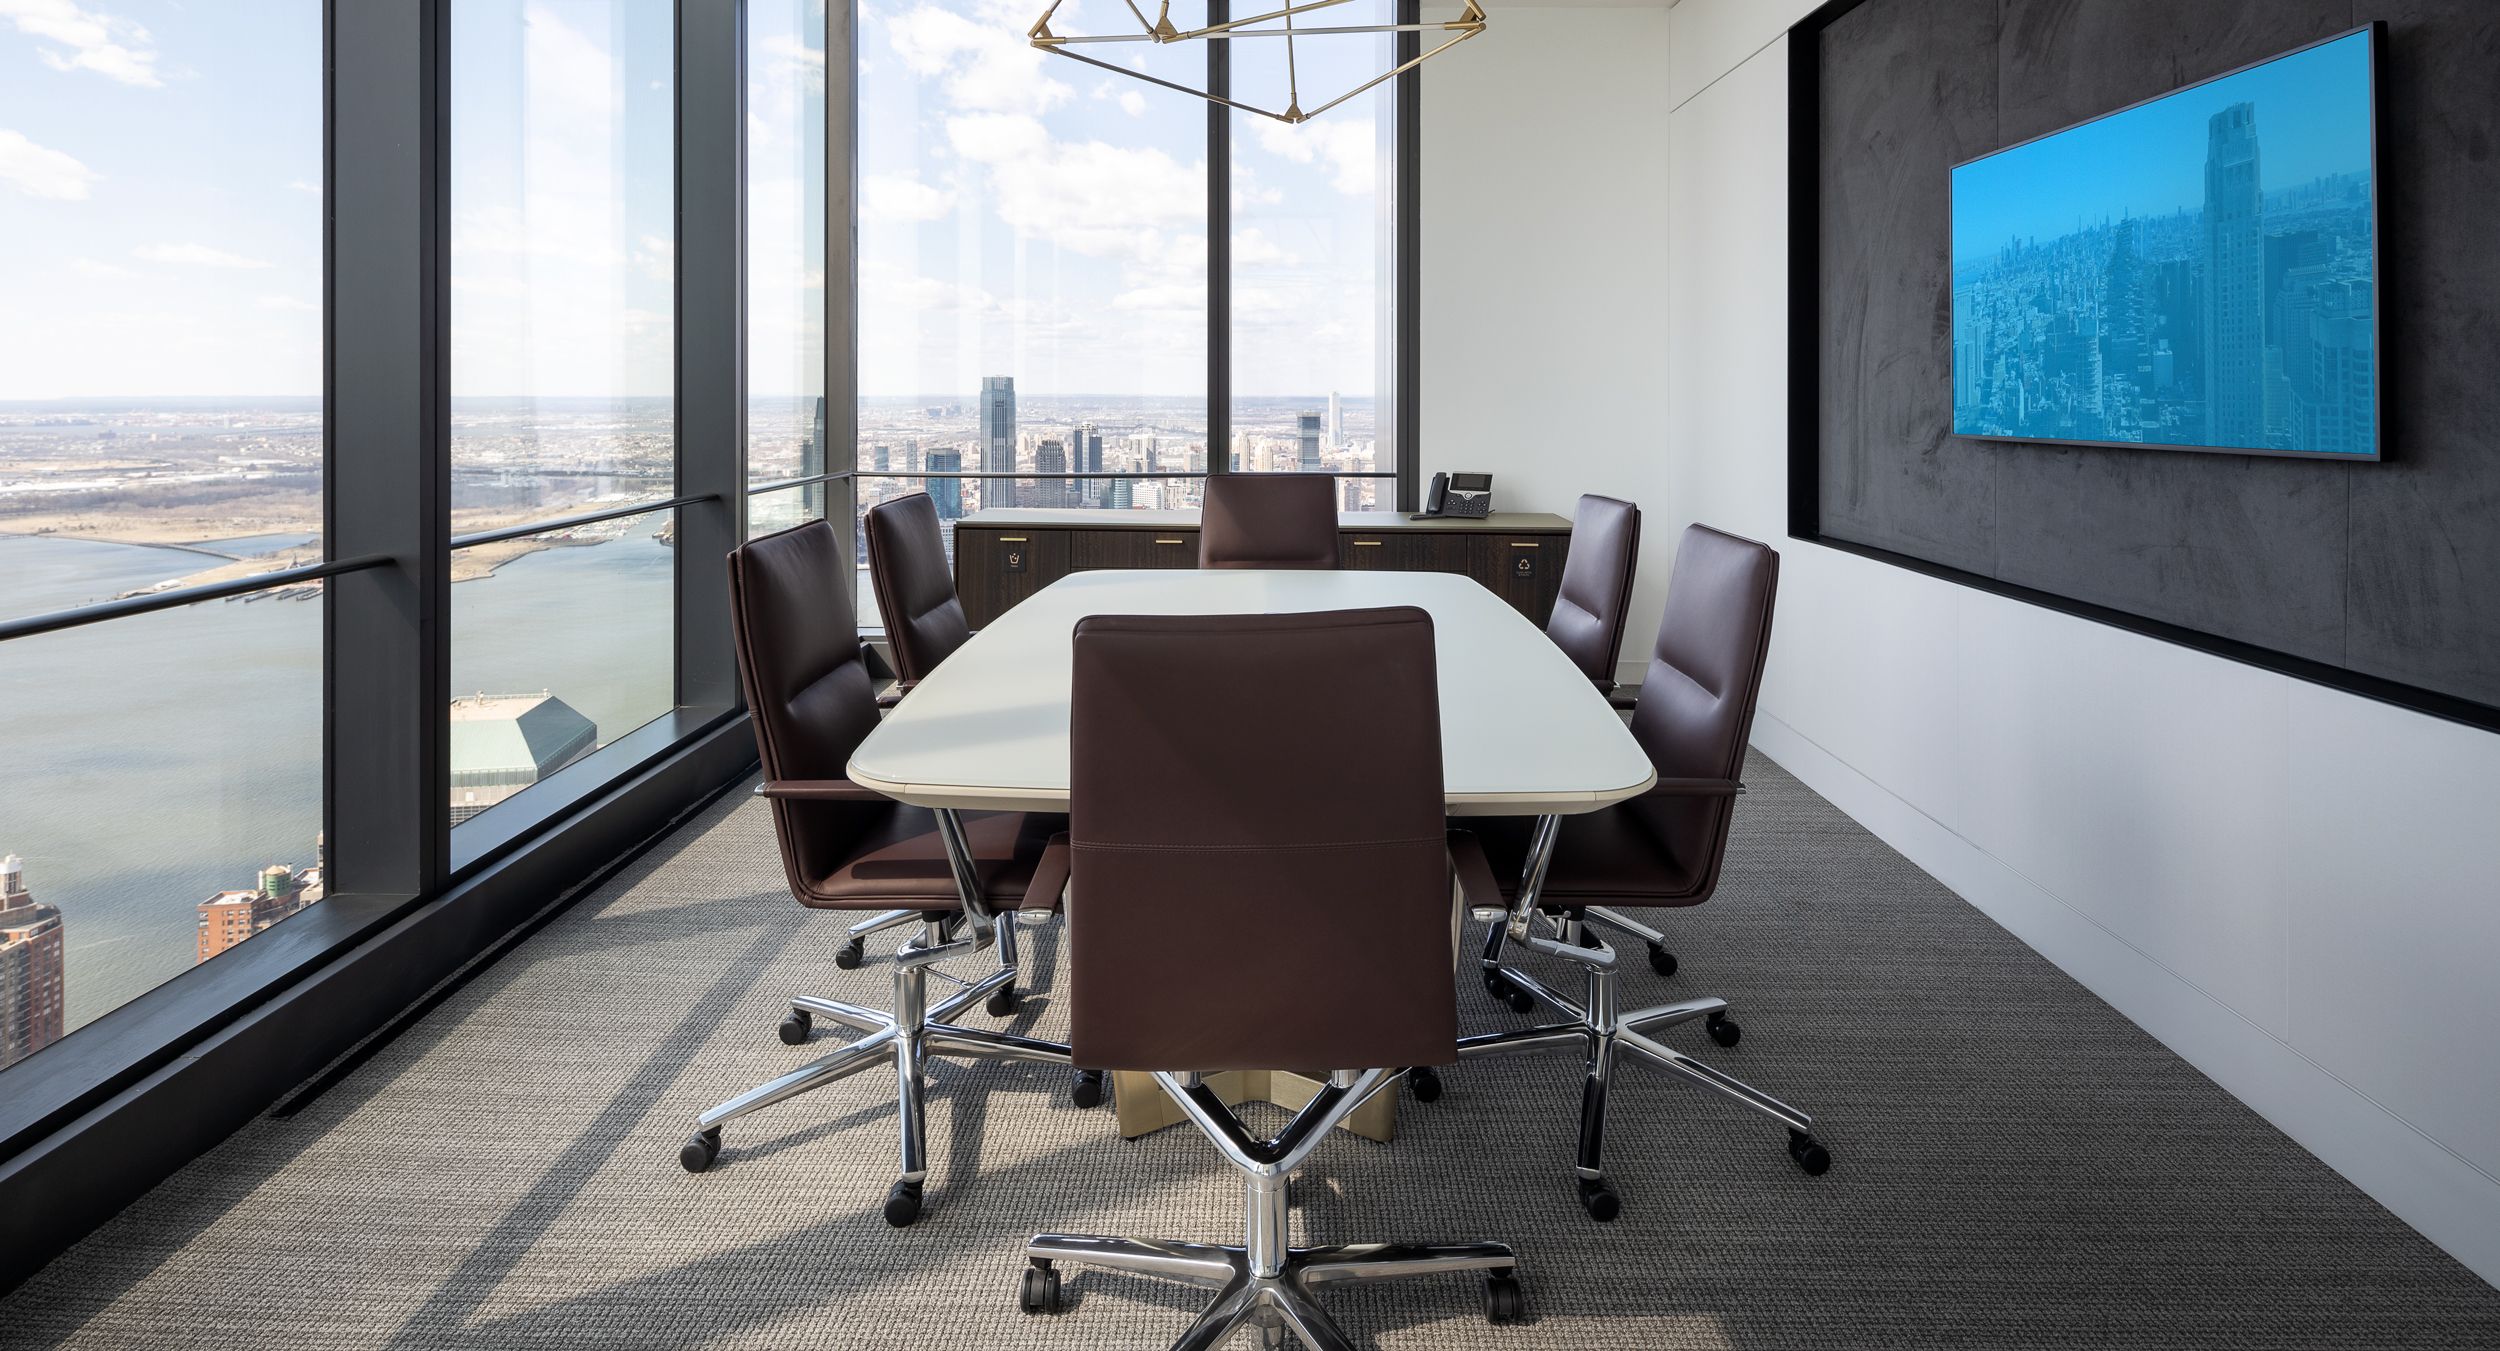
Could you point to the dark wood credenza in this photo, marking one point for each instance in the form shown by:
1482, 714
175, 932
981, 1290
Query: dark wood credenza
1003, 556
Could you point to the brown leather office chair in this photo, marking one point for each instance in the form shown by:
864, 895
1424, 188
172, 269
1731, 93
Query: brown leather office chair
1596, 593
844, 847
1255, 898
915, 588
1268, 521
1663, 848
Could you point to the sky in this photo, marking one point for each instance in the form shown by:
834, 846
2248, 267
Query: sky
2313, 120
160, 196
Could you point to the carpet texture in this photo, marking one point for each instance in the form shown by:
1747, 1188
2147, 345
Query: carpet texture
2017, 1164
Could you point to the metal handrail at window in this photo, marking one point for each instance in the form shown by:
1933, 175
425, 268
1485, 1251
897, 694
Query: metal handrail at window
524, 531
130, 606
787, 484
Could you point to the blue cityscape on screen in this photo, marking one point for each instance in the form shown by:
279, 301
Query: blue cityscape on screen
2197, 271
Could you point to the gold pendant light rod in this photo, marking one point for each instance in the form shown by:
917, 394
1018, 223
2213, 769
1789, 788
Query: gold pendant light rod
1161, 31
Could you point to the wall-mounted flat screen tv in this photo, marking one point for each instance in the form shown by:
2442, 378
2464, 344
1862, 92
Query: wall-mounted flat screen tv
2196, 272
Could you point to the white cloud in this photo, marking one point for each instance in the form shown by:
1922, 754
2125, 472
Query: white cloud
1252, 248
306, 186
1089, 197
900, 197
195, 255
988, 67
40, 172
1133, 103
289, 304
95, 270
1351, 150
111, 47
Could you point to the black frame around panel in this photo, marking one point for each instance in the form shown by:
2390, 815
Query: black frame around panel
1805, 375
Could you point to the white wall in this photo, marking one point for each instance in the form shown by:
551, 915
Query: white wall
1544, 261
2295, 889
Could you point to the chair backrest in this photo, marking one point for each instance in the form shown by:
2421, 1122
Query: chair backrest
808, 690
1697, 701
1587, 623
1268, 890
1268, 521
924, 622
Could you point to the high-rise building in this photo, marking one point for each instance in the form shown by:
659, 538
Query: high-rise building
1050, 461
2235, 280
1336, 422
1307, 428
229, 917
1085, 457
881, 458
812, 464
34, 990
998, 439
946, 493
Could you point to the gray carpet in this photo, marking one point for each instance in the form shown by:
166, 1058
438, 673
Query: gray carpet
2017, 1166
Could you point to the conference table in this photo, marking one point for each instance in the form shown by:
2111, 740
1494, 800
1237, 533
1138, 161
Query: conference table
1523, 732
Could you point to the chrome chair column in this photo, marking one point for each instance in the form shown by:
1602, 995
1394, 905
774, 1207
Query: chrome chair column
1601, 1035
1264, 1281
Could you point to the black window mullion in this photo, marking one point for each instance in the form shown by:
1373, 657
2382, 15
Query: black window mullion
1219, 248
386, 414
711, 329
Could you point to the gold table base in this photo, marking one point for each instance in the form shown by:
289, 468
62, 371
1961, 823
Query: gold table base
1145, 1108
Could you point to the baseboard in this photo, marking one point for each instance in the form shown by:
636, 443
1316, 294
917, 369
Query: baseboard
2450, 1201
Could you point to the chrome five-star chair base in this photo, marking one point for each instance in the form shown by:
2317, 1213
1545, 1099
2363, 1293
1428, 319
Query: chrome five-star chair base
1264, 1282
905, 1039
1602, 1036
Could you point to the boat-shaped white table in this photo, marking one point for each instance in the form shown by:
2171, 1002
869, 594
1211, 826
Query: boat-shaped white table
1523, 732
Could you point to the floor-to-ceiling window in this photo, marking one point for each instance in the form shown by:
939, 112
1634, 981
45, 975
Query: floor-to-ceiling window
563, 243
1036, 313
786, 296
160, 428
1313, 256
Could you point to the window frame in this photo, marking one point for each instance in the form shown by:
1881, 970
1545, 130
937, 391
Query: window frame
96, 1118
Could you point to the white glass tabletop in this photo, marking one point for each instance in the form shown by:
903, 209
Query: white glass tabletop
1522, 731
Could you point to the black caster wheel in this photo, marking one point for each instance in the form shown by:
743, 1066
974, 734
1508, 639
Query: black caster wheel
1661, 960
1004, 1000
1086, 1091
1809, 1153
1426, 1081
1598, 1198
1504, 1301
902, 1202
1041, 1289
1520, 1001
699, 1150
795, 1025
851, 954
1723, 1031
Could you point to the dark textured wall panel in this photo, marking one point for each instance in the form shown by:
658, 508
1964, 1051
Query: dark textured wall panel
1924, 73
2390, 570
2424, 599
2249, 548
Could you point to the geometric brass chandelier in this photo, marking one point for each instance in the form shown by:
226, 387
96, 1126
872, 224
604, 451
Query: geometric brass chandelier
1162, 31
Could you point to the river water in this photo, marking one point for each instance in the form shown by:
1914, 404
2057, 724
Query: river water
146, 763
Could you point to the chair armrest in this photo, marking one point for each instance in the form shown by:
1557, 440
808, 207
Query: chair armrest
1050, 876
817, 790
1695, 788
1478, 888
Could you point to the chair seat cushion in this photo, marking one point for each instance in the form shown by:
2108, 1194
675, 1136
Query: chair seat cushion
1600, 856
899, 862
